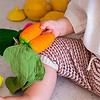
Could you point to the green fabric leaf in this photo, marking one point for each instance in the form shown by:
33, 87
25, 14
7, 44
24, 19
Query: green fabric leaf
25, 64
11, 84
6, 38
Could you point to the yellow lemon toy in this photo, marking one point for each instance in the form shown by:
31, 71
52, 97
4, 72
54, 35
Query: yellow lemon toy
16, 14
1, 80
59, 5
52, 15
35, 9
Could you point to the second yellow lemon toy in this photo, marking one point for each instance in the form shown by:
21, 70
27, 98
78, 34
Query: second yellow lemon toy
35, 9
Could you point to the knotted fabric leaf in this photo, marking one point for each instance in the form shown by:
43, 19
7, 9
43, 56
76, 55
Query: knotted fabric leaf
25, 64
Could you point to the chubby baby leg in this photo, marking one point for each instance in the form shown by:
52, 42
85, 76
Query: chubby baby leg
40, 90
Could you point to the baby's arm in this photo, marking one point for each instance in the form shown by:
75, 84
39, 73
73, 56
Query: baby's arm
40, 90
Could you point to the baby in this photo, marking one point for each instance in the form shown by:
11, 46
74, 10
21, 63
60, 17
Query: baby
69, 57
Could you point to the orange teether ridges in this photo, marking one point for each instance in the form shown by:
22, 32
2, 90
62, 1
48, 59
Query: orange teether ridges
42, 42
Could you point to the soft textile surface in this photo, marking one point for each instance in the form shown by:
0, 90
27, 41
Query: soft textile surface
65, 90
25, 64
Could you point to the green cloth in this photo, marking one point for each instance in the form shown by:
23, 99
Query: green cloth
25, 64
6, 38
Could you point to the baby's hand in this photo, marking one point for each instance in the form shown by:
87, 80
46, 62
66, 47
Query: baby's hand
51, 26
58, 27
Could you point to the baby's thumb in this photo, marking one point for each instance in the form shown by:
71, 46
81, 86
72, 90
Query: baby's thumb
44, 25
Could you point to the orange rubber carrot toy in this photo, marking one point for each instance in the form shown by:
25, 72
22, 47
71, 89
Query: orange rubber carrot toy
42, 42
36, 38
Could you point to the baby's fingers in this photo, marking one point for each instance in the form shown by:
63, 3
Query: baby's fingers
44, 25
47, 25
